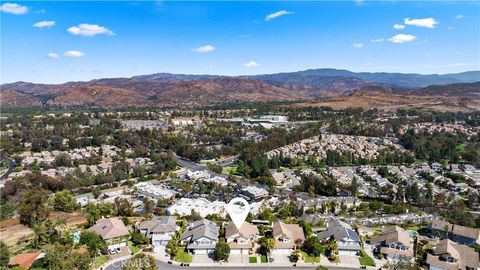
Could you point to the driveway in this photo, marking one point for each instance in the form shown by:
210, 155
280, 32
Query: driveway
350, 260
201, 258
238, 258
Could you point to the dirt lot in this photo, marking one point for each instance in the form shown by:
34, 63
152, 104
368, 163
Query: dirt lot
11, 231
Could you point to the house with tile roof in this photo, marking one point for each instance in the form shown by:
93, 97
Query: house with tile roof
200, 237
449, 255
287, 237
24, 260
347, 239
394, 242
241, 240
112, 230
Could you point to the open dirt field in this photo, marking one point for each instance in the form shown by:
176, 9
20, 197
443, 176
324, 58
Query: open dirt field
12, 231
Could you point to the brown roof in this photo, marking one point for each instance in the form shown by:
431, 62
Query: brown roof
456, 229
293, 231
247, 230
440, 224
109, 228
398, 252
24, 260
465, 256
392, 234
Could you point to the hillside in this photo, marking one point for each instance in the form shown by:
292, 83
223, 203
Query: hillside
164, 89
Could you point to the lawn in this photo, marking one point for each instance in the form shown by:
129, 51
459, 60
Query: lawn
252, 259
182, 256
263, 259
309, 259
365, 259
101, 260
133, 248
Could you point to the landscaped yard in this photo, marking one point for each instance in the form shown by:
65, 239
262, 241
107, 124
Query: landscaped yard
365, 259
101, 260
182, 256
309, 259
263, 259
133, 248
252, 259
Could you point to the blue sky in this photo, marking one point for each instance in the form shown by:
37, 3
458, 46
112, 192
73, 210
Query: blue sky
54, 42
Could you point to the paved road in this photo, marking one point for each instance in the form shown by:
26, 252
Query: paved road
10, 168
163, 266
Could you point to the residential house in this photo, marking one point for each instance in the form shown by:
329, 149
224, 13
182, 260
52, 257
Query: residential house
347, 239
394, 242
112, 230
24, 260
241, 240
200, 237
287, 237
460, 234
449, 255
159, 230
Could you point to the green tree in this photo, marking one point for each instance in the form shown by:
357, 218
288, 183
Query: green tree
312, 246
222, 251
4, 254
64, 201
141, 261
60, 257
93, 241
33, 208
138, 238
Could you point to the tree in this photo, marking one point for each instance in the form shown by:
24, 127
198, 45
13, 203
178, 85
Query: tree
4, 254
93, 241
33, 208
266, 245
60, 257
141, 261
138, 238
222, 251
64, 201
312, 246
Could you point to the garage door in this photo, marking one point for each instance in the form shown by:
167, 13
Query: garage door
347, 252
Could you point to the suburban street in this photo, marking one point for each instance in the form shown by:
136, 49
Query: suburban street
164, 266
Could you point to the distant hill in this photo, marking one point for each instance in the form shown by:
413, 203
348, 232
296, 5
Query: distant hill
314, 77
164, 89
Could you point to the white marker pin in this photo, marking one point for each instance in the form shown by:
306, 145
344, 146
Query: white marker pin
238, 209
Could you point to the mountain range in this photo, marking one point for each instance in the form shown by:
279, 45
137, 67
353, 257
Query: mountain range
164, 89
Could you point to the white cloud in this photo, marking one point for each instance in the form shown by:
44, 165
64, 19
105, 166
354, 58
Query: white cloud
74, 54
277, 14
377, 40
358, 45
205, 49
251, 64
427, 22
459, 17
359, 2
52, 55
14, 8
43, 24
401, 38
398, 26
89, 30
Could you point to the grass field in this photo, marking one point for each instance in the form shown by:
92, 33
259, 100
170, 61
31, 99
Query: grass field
183, 256
263, 259
365, 259
252, 259
309, 259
